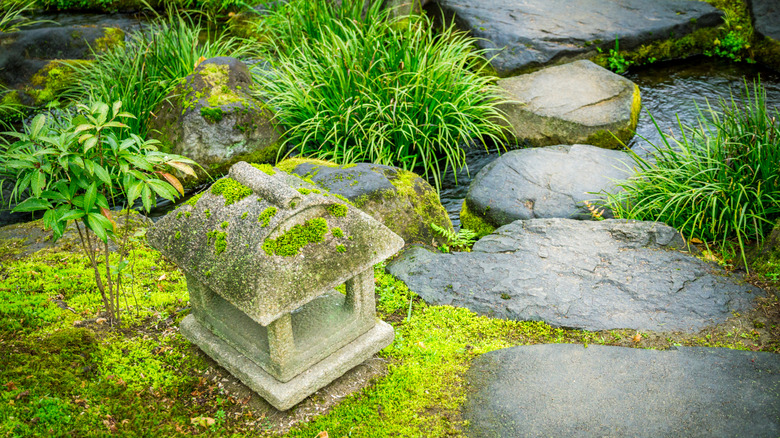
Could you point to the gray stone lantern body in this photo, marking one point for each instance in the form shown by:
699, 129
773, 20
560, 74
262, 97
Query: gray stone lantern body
262, 260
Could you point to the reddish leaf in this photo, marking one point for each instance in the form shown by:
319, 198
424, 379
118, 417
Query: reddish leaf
172, 180
107, 213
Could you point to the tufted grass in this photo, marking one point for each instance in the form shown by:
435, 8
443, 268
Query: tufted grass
718, 181
352, 89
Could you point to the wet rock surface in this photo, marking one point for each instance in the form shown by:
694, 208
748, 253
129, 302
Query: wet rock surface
579, 102
598, 391
582, 274
526, 34
766, 17
549, 182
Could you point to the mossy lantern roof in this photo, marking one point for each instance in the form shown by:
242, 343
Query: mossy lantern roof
269, 248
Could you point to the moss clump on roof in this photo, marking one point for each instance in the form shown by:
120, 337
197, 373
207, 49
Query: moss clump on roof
291, 242
232, 190
337, 210
265, 168
194, 199
266, 215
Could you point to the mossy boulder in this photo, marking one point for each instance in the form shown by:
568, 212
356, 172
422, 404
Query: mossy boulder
212, 118
37, 62
400, 199
576, 103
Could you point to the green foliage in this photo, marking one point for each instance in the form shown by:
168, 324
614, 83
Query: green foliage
463, 240
213, 115
265, 168
390, 92
616, 61
13, 15
731, 46
232, 190
76, 169
337, 232
143, 71
300, 235
720, 181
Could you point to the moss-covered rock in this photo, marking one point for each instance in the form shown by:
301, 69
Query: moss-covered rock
212, 118
400, 199
48, 82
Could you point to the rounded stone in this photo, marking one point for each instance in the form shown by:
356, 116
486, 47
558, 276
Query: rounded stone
573, 103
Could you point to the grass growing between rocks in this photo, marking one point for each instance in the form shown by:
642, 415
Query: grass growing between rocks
63, 372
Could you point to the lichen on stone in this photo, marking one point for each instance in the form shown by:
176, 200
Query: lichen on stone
266, 215
300, 235
232, 190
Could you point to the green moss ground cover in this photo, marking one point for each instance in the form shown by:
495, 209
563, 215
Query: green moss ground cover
63, 372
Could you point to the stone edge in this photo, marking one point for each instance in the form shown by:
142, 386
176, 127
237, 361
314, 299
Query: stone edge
283, 396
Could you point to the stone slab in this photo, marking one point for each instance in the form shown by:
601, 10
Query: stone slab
280, 395
766, 17
522, 35
548, 182
592, 275
600, 391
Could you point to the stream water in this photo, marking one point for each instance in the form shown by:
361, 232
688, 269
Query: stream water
668, 90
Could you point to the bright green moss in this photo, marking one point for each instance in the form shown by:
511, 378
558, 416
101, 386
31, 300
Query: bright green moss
220, 240
207, 212
341, 249
244, 215
177, 236
266, 168
232, 190
212, 115
337, 210
224, 225
194, 199
291, 242
475, 223
266, 215
337, 232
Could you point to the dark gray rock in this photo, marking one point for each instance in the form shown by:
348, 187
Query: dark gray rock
528, 34
591, 275
547, 182
400, 199
766, 17
599, 391
212, 118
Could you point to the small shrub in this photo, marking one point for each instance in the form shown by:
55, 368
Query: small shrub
718, 181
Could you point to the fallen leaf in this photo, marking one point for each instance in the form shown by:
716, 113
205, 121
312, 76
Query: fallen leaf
695, 240
10, 386
197, 63
162, 277
22, 394
323, 434
637, 337
202, 421
101, 320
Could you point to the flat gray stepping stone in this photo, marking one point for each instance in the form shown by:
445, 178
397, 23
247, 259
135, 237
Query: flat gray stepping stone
528, 34
567, 390
549, 182
579, 102
766, 17
593, 275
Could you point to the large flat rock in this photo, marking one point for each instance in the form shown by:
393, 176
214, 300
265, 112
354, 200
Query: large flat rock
549, 182
578, 102
570, 391
528, 34
766, 17
598, 275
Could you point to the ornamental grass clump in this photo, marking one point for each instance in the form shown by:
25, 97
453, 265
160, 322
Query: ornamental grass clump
718, 182
141, 72
385, 91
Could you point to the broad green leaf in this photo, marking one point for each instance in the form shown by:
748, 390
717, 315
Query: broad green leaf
89, 197
102, 174
37, 125
84, 127
32, 204
96, 224
72, 215
162, 189
134, 191
90, 143
37, 183
116, 107
146, 197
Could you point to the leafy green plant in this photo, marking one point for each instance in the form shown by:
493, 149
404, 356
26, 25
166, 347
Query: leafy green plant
143, 71
389, 92
615, 61
77, 169
719, 181
463, 240
13, 15
731, 46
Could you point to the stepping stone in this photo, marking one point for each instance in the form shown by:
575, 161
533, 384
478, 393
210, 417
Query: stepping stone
528, 34
599, 391
766, 17
548, 182
574, 103
592, 275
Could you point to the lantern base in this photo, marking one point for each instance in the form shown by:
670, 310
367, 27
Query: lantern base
285, 395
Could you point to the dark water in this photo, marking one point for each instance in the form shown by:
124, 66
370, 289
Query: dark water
668, 90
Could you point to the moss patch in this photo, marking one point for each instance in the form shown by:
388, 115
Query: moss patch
232, 190
266, 215
194, 199
220, 241
474, 223
300, 235
212, 115
337, 210
112, 37
265, 168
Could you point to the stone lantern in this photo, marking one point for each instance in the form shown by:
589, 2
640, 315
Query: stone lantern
265, 254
